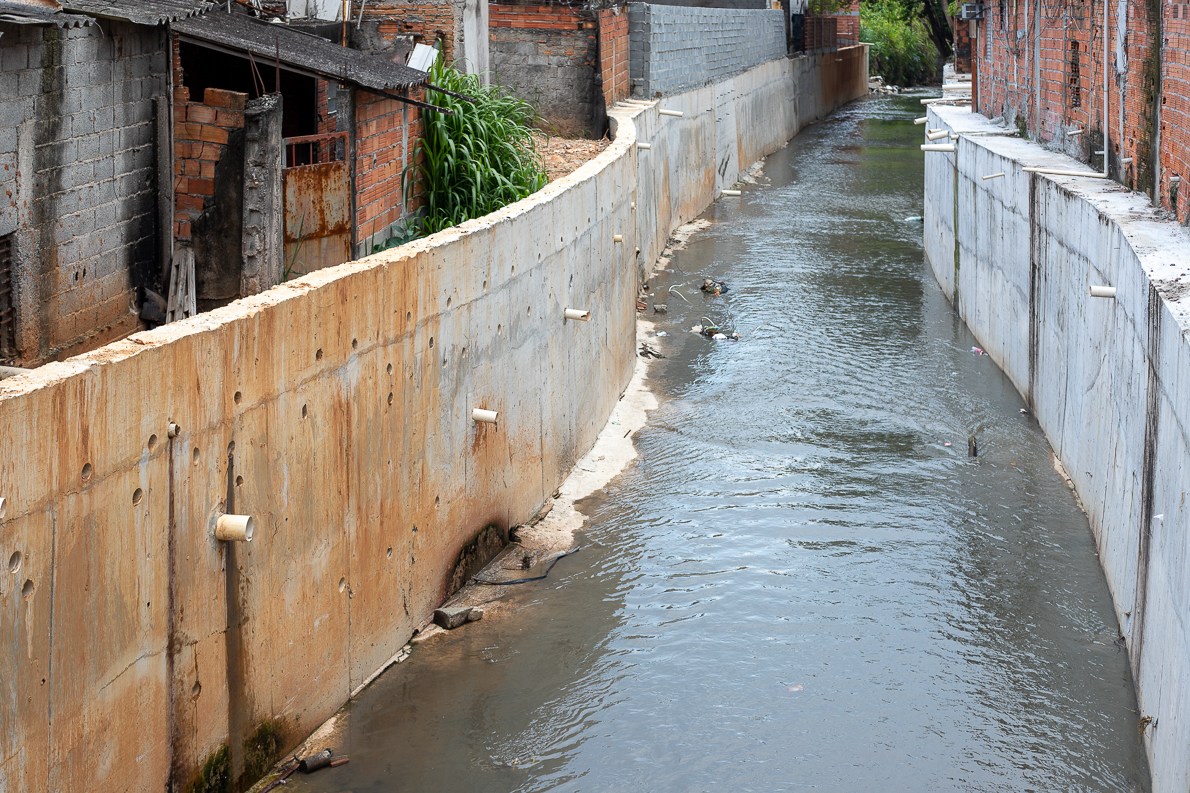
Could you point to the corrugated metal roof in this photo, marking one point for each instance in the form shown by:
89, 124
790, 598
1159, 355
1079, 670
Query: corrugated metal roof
299, 50
22, 14
140, 12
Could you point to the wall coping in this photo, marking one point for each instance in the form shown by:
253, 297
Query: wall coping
55, 373
1160, 244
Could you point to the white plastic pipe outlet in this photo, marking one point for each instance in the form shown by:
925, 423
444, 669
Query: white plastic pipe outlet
922, 120
578, 313
733, 192
937, 147
481, 416
993, 176
234, 528
644, 145
934, 134
617, 238
3, 507
675, 113
1103, 291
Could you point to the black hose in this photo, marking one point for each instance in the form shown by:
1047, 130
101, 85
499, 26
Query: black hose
541, 577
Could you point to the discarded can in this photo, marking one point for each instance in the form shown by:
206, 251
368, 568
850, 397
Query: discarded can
315, 761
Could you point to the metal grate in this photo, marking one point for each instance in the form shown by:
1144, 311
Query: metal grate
8, 345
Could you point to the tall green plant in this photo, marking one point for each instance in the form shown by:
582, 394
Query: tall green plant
901, 52
475, 161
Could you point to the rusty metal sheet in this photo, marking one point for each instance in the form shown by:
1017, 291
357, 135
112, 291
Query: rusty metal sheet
317, 216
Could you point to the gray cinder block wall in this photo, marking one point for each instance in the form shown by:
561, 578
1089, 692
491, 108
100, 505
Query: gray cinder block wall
555, 71
78, 180
674, 48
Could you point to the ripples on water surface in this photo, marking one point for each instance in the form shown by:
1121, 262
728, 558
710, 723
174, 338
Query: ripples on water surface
798, 584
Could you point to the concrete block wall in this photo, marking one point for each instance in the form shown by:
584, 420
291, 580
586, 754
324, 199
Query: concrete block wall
1107, 380
78, 180
549, 57
334, 409
675, 48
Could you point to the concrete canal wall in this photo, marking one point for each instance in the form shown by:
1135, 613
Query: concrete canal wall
1108, 379
336, 411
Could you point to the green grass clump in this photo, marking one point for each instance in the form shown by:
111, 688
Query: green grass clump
473, 162
901, 52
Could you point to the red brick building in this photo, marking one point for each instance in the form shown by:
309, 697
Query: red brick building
1041, 68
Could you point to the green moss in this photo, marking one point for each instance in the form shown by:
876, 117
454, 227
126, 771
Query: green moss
215, 776
262, 749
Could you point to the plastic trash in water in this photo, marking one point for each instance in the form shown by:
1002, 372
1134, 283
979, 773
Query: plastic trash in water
914, 219
719, 337
978, 351
662, 333
947, 444
696, 329
713, 287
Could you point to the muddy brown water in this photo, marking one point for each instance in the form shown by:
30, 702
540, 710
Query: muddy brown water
798, 584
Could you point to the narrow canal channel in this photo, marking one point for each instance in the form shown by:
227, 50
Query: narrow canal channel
804, 581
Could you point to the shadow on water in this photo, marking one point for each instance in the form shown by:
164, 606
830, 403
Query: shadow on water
799, 583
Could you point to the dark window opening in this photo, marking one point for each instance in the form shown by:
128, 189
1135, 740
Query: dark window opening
8, 342
1076, 92
204, 68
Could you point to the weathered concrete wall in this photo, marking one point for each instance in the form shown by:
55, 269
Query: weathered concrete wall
1108, 380
728, 126
676, 48
335, 410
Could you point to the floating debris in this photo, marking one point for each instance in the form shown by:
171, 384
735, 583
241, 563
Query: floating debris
713, 287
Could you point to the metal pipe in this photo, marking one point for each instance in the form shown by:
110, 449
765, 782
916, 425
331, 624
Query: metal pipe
12, 371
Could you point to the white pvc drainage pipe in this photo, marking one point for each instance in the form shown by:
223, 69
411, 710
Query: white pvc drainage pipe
482, 416
578, 313
234, 528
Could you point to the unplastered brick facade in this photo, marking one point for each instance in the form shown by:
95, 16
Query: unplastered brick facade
676, 48
201, 134
78, 183
1040, 66
549, 56
613, 54
386, 133
439, 24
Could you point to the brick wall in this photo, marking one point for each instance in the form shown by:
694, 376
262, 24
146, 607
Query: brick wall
613, 54
1069, 93
78, 180
201, 134
962, 46
549, 56
675, 48
428, 22
386, 131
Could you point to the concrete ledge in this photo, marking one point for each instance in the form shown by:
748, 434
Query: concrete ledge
1108, 379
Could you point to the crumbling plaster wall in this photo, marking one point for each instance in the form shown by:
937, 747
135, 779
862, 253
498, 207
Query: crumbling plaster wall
1108, 380
335, 410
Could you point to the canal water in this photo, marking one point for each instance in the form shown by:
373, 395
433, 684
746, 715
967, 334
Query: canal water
803, 581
